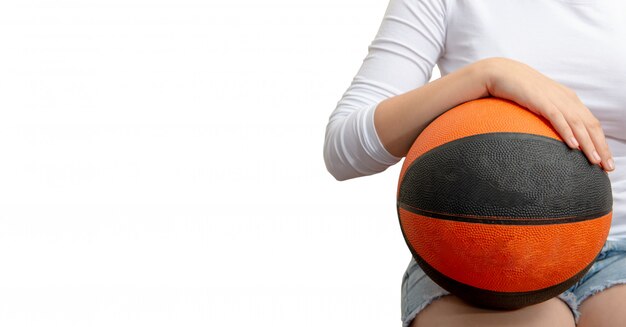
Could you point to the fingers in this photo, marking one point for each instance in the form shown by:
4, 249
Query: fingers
562, 126
569, 116
581, 133
576, 126
586, 130
601, 147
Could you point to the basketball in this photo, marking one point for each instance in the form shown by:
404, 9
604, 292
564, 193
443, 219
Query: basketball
497, 209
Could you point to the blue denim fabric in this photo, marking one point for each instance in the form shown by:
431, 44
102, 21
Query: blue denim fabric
609, 269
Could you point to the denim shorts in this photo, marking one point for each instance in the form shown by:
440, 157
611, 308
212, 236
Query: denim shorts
609, 269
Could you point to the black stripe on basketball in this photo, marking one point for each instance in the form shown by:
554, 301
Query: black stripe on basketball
506, 175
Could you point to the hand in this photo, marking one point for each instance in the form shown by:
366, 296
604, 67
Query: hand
515, 81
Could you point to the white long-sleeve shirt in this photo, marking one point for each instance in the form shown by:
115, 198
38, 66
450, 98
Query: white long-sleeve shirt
578, 43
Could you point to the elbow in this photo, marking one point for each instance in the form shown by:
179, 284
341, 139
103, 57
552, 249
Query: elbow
338, 174
332, 162
335, 159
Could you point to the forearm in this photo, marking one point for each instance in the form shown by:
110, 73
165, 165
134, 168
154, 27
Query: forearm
400, 119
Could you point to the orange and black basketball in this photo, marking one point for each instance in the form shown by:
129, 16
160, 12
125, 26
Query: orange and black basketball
497, 209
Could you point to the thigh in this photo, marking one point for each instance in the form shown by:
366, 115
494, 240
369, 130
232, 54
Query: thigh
451, 311
604, 309
602, 295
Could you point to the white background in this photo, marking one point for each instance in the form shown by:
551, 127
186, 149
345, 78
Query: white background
161, 165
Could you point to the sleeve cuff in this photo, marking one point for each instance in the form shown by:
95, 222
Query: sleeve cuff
371, 141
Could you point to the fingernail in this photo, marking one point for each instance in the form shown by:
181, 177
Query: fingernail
611, 164
596, 155
573, 140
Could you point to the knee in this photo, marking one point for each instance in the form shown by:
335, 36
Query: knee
452, 311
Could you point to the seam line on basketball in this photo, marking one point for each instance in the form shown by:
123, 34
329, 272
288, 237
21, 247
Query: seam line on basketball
501, 220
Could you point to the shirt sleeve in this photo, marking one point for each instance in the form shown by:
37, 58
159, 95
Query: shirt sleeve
401, 57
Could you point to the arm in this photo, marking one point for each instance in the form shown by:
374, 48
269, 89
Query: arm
400, 119
389, 102
401, 58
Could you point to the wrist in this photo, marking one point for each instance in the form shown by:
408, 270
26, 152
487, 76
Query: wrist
487, 72
484, 73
